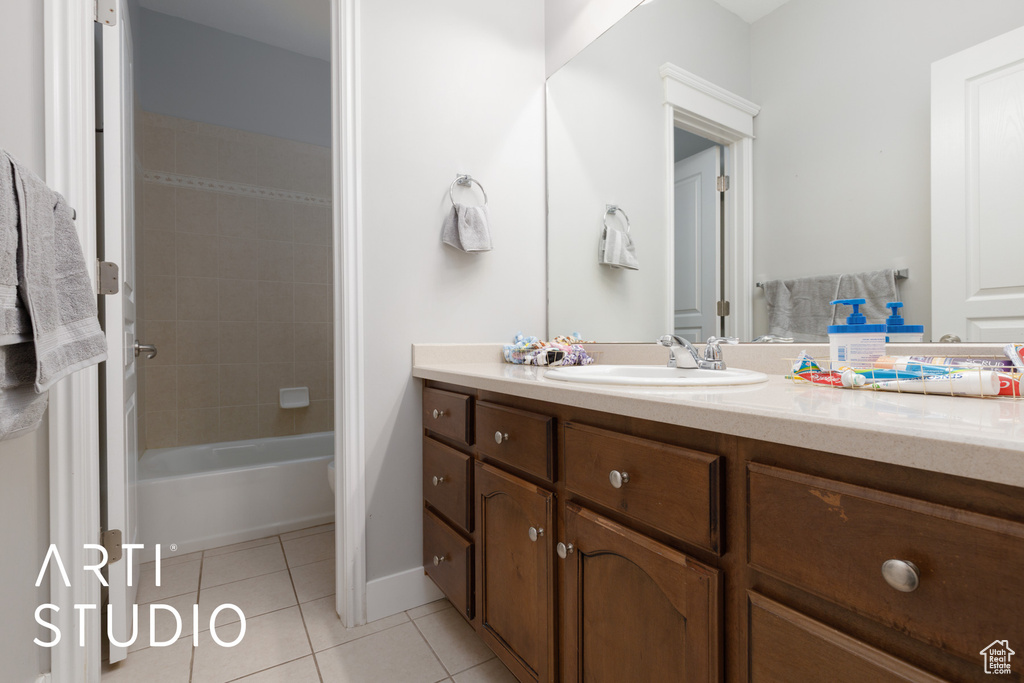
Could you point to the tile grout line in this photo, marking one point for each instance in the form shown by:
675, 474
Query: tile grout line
302, 616
431, 648
195, 627
269, 668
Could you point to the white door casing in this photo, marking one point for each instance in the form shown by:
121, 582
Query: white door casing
977, 198
119, 322
696, 245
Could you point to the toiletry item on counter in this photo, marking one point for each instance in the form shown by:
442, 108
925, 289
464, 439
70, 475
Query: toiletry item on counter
1015, 352
531, 351
855, 344
940, 365
959, 383
896, 330
807, 369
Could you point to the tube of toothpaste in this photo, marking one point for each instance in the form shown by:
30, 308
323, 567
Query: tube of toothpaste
807, 369
1015, 352
940, 365
962, 383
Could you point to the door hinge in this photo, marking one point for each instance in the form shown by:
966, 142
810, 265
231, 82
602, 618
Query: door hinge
111, 541
106, 278
105, 12
722, 183
723, 308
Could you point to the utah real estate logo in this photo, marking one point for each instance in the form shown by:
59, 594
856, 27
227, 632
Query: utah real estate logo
997, 657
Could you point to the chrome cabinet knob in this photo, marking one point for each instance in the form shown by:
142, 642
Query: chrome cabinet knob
439, 559
564, 550
902, 575
499, 437
535, 533
438, 480
617, 478
438, 413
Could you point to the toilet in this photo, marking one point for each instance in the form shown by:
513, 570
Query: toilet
330, 474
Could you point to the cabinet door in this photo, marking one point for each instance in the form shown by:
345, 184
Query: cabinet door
634, 609
515, 572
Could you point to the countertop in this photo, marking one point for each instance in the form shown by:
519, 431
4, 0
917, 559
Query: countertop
969, 437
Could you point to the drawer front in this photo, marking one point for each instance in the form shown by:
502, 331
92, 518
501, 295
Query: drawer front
832, 539
447, 482
518, 438
448, 559
448, 414
673, 489
788, 646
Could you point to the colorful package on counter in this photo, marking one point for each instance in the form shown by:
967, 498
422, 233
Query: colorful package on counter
564, 350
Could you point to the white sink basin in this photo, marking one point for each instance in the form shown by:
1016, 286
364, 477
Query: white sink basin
654, 376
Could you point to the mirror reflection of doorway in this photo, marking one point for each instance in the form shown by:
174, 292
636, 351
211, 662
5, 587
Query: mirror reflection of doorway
698, 162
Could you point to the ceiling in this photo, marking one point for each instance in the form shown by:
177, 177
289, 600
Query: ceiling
751, 10
301, 26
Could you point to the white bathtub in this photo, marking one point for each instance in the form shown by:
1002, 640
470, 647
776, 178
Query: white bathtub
200, 497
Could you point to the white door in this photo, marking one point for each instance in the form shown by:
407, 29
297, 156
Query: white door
978, 192
121, 443
697, 219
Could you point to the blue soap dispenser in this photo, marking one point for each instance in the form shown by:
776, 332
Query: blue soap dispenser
895, 328
855, 344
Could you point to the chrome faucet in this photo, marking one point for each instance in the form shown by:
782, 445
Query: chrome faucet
712, 359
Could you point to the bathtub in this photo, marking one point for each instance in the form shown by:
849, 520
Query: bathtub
200, 497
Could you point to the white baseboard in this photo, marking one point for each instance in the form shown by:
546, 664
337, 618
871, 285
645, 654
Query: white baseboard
396, 593
43, 678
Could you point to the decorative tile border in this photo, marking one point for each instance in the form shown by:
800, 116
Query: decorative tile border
228, 187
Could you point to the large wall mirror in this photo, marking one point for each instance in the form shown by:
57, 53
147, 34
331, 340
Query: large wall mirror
841, 167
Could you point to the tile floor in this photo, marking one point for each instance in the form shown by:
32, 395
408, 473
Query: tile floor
285, 587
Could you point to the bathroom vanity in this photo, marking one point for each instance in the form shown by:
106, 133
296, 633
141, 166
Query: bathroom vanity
771, 533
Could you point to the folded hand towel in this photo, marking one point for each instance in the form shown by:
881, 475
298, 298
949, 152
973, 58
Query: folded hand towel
466, 228
617, 249
800, 308
15, 326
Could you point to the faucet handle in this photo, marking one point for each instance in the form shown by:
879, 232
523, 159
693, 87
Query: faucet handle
712, 352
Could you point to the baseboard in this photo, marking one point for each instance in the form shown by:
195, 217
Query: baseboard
207, 542
43, 678
396, 593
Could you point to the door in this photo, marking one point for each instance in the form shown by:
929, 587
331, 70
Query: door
515, 572
697, 221
121, 449
977, 202
634, 609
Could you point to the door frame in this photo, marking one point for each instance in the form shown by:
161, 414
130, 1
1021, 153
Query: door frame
705, 109
74, 414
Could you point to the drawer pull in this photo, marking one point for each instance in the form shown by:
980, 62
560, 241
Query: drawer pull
902, 575
438, 413
617, 478
535, 533
438, 559
564, 550
438, 480
499, 437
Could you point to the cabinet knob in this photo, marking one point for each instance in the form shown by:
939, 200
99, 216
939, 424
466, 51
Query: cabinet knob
499, 437
438, 413
535, 533
617, 478
438, 559
564, 550
902, 575
438, 480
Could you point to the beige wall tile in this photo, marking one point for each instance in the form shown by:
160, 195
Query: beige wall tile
238, 300
312, 224
195, 211
238, 342
318, 417
197, 426
161, 391
158, 149
274, 220
157, 207
273, 166
312, 303
238, 258
198, 342
162, 429
163, 334
275, 261
195, 154
275, 421
319, 377
197, 255
236, 216
236, 161
161, 297
239, 385
159, 253
314, 341
312, 263
197, 298
198, 387
273, 378
238, 423
276, 302
276, 342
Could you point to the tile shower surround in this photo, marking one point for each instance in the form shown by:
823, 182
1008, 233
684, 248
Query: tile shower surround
235, 290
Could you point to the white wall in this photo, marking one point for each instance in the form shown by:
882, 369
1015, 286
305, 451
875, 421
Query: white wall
447, 87
571, 25
841, 159
24, 482
608, 143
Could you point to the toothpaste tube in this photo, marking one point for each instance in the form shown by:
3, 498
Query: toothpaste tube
940, 365
964, 383
807, 369
1015, 352
1009, 384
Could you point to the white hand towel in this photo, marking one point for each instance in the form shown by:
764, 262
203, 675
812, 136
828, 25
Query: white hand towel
617, 250
467, 228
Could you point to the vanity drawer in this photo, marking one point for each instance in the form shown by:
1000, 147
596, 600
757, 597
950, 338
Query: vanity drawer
786, 645
448, 560
518, 438
448, 414
671, 488
831, 539
447, 481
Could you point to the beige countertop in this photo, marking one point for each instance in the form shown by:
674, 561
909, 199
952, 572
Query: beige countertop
968, 437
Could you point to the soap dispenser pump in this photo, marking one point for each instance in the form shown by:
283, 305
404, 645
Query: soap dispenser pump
855, 344
895, 328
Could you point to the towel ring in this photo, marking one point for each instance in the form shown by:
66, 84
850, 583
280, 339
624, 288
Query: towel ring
610, 209
463, 180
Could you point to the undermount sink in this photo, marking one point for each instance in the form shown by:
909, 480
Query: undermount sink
654, 376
